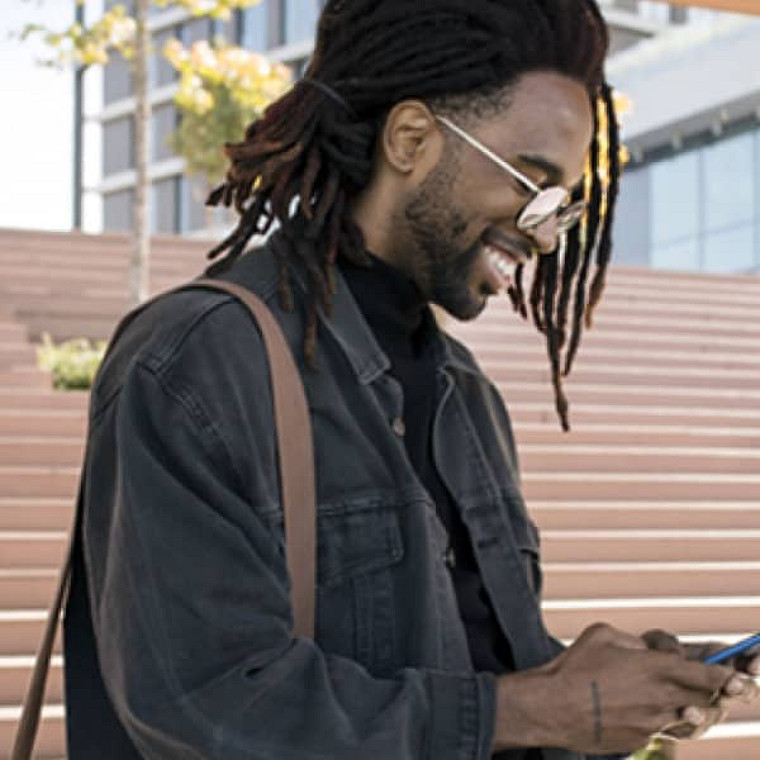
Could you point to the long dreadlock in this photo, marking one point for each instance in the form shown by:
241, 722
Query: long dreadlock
313, 150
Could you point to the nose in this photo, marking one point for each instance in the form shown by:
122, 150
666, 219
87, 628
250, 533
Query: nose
546, 235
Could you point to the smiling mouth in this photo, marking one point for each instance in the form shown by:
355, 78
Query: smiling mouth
501, 264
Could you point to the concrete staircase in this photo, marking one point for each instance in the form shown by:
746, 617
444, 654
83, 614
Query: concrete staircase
649, 509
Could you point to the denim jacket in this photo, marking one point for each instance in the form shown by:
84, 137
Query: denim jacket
177, 631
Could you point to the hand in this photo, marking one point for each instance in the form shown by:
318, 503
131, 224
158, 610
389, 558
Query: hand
741, 685
607, 693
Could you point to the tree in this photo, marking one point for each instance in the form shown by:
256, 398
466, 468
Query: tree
222, 89
125, 32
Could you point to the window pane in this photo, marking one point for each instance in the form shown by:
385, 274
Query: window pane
675, 199
300, 19
631, 228
163, 205
681, 255
732, 251
196, 30
193, 211
117, 145
729, 184
117, 211
161, 71
256, 27
163, 123
117, 79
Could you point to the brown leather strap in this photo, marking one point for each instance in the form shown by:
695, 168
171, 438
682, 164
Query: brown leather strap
296, 462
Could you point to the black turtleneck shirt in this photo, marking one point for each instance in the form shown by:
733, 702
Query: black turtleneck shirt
404, 326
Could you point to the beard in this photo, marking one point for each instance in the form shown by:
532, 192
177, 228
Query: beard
438, 258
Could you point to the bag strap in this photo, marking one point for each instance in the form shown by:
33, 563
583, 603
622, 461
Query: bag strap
296, 471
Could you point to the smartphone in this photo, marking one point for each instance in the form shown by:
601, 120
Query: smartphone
739, 648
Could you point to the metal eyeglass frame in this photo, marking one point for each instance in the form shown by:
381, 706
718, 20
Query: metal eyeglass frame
545, 202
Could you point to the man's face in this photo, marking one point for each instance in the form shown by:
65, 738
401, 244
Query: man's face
460, 236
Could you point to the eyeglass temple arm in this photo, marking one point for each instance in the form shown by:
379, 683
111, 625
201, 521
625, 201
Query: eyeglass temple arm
519, 176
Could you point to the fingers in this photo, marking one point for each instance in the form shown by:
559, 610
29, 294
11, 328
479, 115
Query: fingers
695, 675
601, 633
741, 687
692, 722
661, 641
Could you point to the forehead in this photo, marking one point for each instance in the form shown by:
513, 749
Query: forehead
547, 115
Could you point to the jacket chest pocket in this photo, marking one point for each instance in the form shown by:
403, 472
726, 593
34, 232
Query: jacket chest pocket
356, 596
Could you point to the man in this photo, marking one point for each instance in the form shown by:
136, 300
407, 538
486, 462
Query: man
432, 148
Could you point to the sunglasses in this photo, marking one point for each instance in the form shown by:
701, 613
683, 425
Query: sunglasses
545, 204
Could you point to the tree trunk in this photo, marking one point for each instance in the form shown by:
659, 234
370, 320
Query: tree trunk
139, 265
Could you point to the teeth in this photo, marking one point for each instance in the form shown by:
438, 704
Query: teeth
498, 260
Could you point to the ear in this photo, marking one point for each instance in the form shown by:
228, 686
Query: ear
411, 141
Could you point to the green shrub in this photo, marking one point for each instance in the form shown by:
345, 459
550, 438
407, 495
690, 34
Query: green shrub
73, 364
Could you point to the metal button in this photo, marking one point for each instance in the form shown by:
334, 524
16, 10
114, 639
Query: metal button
399, 428
450, 557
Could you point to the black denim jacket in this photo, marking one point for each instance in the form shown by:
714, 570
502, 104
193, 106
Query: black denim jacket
179, 609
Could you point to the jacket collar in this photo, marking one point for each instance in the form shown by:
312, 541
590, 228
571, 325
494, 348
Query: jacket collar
347, 325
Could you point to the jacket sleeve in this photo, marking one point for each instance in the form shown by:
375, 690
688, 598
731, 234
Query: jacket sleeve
189, 596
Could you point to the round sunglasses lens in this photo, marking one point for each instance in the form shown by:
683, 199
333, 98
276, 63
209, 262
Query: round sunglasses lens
542, 207
571, 216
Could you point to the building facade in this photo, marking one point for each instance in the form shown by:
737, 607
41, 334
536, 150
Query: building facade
690, 198
691, 194
282, 28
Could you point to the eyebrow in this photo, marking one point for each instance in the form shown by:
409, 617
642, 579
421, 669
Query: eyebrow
554, 174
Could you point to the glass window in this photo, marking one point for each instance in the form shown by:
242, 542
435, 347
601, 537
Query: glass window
197, 29
117, 211
163, 204
301, 19
729, 182
193, 211
163, 124
117, 79
255, 35
731, 251
675, 198
118, 138
631, 227
161, 71
681, 255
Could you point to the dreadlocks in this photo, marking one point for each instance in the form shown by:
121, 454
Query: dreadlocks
313, 149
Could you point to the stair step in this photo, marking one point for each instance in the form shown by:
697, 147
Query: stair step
20, 399
583, 413
608, 486
652, 378
650, 545
568, 617
47, 451
590, 434
621, 515
16, 353
639, 459
51, 738
21, 588
730, 741
21, 632
66, 423
39, 482
25, 378
602, 580
32, 549
15, 674
23, 513
598, 394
